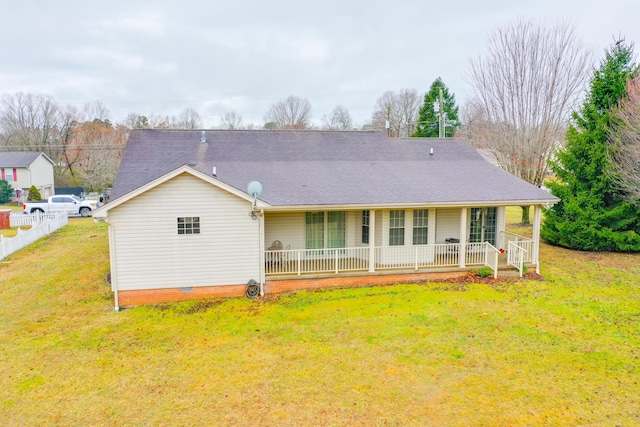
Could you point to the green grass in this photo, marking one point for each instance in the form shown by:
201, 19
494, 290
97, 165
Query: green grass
14, 230
564, 351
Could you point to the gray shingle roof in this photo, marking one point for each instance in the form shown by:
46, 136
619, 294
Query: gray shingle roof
326, 168
18, 159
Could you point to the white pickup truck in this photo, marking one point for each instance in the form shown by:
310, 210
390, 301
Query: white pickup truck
69, 203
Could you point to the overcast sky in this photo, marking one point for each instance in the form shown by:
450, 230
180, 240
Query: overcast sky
159, 57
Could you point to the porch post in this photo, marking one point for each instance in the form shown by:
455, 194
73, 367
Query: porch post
372, 241
463, 238
536, 237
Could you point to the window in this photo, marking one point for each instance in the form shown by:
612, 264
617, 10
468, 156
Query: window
8, 175
396, 228
483, 225
62, 200
189, 225
330, 229
420, 226
315, 230
365, 226
337, 229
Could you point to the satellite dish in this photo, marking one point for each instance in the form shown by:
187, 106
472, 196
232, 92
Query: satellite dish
255, 189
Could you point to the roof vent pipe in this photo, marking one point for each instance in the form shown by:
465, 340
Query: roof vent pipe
215, 173
203, 138
431, 152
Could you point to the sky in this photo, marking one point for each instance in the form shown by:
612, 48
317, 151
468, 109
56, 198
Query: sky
160, 57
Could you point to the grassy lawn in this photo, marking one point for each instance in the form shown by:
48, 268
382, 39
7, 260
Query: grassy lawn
14, 230
564, 351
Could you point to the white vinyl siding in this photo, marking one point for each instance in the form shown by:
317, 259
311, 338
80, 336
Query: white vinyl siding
447, 224
40, 174
353, 224
288, 227
150, 254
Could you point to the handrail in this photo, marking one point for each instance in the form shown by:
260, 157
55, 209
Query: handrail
496, 253
414, 257
516, 256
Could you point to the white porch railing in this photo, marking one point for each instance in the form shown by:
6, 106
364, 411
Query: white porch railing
523, 242
516, 255
299, 261
9, 245
316, 260
491, 258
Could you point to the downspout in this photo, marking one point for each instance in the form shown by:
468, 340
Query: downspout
261, 248
112, 261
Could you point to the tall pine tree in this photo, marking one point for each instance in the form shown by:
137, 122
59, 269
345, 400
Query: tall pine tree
592, 214
429, 120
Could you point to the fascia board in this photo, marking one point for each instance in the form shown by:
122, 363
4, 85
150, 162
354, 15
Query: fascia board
537, 202
102, 212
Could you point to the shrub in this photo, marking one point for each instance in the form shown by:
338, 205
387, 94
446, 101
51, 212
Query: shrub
34, 194
485, 272
5, 191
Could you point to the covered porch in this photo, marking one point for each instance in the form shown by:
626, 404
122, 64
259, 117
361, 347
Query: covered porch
372, 242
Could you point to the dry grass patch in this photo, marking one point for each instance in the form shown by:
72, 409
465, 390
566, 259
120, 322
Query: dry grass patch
559, 352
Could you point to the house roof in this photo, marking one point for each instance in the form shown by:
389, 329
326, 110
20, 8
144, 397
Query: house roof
20, 159
327, 168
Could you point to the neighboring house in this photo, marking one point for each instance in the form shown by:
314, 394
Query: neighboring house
337, 209
22, 169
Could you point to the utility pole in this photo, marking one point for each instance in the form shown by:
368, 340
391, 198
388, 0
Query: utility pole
441, 126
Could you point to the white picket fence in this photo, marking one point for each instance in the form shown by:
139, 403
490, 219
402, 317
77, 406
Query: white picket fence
20, 220
41, 225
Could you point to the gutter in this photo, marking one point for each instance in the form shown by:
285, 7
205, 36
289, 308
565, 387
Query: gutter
486, 203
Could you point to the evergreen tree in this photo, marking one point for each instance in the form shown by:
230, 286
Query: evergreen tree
34, 194
429, 121
5, 191
592, 214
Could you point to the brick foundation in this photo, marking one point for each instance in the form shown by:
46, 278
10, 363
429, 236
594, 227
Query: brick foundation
155, 296
280, 285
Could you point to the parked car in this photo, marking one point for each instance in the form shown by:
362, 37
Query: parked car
69, 203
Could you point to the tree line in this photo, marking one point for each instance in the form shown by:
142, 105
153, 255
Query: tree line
525, 108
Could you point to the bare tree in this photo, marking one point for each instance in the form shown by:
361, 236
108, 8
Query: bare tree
95, 110
399, 109
136, 121
188, 119
289, 113
625, 138
231, 120
29, 122
339, 119
525, 87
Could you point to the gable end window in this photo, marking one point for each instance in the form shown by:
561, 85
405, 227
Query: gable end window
189, 225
